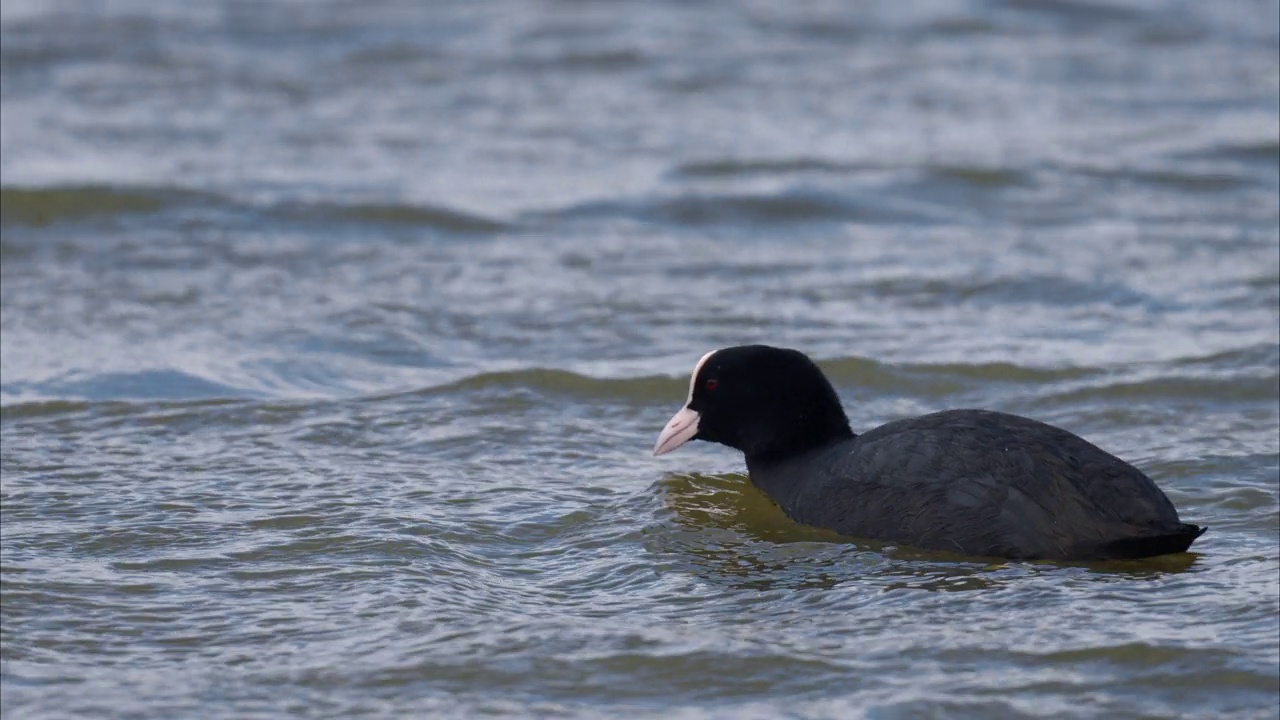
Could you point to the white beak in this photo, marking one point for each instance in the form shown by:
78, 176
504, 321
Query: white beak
681, 429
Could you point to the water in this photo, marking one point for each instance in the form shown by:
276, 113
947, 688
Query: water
336, 338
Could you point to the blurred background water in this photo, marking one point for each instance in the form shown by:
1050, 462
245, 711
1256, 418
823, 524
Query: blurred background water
336, 337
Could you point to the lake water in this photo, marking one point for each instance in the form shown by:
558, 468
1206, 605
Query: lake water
336, 337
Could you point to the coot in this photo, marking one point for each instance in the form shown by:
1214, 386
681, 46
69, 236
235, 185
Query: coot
975, 482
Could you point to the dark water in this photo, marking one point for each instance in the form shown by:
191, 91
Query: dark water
336, 338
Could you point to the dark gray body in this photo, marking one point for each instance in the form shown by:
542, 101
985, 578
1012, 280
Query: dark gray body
979, 483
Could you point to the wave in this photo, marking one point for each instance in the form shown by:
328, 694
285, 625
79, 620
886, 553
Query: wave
84, 392
845, 373
37, 207
1246, 374
1180, 178
980, 176
1256, 151
45, 206
785, 207
1237, 388
436, 217
736, 167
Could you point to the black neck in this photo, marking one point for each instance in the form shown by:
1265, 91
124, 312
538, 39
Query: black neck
802, 441
773, 475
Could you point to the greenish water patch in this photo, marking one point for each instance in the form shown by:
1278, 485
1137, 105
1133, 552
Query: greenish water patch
410, 215
38, 207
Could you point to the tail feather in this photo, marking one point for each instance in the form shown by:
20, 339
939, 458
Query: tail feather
1151, 545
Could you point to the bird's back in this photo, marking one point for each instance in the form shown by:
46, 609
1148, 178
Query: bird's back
980, 483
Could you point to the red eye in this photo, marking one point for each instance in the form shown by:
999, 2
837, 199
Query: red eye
711, 384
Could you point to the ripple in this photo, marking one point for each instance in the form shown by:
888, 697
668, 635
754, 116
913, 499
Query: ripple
793, 206
1179, 178
335, 341
980, 176
144, 385
438, 218
44, 206
736, 167
1170, 388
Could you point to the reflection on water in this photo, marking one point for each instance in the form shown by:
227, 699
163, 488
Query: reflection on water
729, 530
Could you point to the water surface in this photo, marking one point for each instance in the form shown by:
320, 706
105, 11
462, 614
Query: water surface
336, 338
